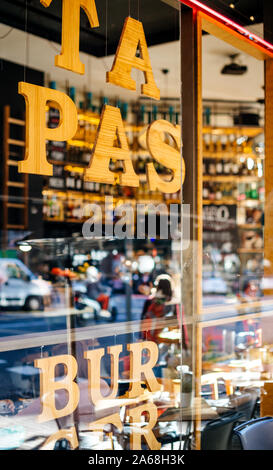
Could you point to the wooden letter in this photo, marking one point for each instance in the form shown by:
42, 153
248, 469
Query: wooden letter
137, 368
145, 431
70, 57
68, 434
132, 39
99, 424
110, 131
49, 385
94, 361
166, 155
37, 132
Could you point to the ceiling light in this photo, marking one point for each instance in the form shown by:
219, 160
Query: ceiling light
252, 18
232, 5
25, 247
234, 68
229, 23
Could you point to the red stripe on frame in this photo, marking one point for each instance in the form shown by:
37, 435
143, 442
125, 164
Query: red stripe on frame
227, 22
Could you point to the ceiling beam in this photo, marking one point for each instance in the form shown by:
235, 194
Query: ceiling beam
172, 3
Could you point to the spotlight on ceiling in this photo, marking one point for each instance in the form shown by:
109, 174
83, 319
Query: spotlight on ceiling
233, 4
234, 68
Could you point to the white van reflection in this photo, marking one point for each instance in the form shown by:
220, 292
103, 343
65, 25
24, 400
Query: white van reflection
20, 288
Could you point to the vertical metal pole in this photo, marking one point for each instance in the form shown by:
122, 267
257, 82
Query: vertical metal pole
268, 209
191, 60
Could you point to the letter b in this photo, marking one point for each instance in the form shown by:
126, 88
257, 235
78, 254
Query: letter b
49, 386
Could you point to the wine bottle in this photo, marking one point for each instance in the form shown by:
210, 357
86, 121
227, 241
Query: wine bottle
219, 167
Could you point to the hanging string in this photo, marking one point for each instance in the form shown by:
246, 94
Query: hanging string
106, 37
138, 9
7, 33
89, 70
106, 28
129, 5
228, 10
52, 45
27, 41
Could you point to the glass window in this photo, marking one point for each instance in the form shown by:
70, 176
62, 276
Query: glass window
92, 332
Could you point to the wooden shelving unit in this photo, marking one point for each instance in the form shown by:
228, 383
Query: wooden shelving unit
249, 131
15, 185
228, 156
231, 179
230, 201
243, 229
248, 250
66, 191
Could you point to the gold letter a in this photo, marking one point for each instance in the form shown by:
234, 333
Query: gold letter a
132, 39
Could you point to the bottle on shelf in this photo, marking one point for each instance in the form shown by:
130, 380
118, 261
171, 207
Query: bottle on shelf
219, 167
254, 191
211, 193
218, 193
141, 167
243, 168
124, 111
70, 181
171, 113
212, 168
234, 145
248, 146
89, 101
227, 144
218, 145
206, 191
72, 93
235, 168
235, 192
227, 167
261, 192
206, 143
79, 182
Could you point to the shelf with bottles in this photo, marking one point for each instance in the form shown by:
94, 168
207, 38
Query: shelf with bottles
53, 206
230, 156
67, 205
70, 207
231, 202
231, 178
244, 168
233, 151
71, 177
250, 226
95, 195
230, 192
250, 250
77, 150
248, 131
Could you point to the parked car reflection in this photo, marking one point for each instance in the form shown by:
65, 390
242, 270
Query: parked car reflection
20, 288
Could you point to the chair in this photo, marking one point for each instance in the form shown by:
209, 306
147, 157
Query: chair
218, 383
217, 434
256, 434
245, 403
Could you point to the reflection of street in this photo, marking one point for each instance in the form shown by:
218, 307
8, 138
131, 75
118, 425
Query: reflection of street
21, 421
20, 322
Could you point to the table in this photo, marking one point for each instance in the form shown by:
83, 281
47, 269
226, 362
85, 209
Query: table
199, 408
